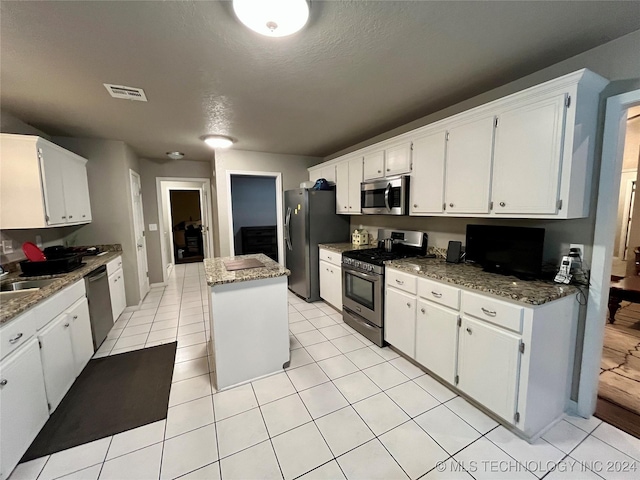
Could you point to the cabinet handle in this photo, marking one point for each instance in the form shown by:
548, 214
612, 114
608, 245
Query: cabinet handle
15, 339
3, 382
422, 310
502, 204
469, 331
379, 171
489, 313
409, 304
451, 205
83, 216
328, 257
327, 269
436, 294
75, 317
70, 216
66, 325
115, 280
399, 282
64, 217
415, 205
388, 169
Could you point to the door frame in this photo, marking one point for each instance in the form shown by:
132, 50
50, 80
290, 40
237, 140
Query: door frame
166, 184
615, 125
279, 208
143, 292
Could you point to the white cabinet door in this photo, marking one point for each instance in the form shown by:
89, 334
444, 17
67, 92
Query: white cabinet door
58, 364
328, 173
489, 366
325, 281
23, 404
355, 179
374, 165
52, 167
400, 321
528, 147
81, 333
398, 159
76, 191
427, 178
117, 293
336, 286
437, 339
342, 187
468, 166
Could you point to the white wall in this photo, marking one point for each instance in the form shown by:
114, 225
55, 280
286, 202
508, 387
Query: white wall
292, 167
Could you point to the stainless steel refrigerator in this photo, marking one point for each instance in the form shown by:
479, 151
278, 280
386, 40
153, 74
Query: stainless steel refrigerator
310, 219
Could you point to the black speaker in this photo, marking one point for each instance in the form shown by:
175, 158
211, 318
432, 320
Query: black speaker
453, 252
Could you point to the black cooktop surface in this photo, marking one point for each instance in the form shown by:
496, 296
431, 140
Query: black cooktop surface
377, 256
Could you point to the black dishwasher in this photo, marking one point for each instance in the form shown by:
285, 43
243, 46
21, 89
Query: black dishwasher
99, 298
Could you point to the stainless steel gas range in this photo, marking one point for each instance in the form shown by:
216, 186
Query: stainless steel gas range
363, 280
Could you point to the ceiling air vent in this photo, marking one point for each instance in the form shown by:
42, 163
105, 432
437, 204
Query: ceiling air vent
128, 93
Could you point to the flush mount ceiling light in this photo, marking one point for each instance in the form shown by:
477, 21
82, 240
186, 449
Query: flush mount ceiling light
175, 155
273, 18
218, 141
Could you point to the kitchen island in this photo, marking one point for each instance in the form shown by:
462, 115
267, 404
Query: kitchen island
248, 317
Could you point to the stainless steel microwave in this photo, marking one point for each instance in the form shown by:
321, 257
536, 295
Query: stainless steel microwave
387, 196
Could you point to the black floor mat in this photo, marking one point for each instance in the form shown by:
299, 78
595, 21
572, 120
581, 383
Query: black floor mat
111, 395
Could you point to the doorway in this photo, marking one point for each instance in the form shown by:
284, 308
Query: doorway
616, 116
188, 237
186, 226
255, 214
619, 379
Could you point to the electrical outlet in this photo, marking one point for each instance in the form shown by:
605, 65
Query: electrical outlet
39, 241
7, 246
578, 245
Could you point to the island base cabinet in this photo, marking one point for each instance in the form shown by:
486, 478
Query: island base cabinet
400, 321
489, 366
23, 404
58, 362
437, 339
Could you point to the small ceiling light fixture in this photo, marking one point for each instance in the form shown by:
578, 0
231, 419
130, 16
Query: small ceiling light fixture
218, 141
273, 18
175, 155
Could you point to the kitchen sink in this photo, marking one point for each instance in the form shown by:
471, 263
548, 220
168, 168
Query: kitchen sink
25, 285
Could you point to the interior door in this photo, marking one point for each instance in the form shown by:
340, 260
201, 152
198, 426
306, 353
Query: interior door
138, 227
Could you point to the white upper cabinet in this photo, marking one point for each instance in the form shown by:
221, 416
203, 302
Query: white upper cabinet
41, 184
342, 187
528, 146
355, 179
468, 166
328, 172
427, 179
374, 165
398, 159
537, 162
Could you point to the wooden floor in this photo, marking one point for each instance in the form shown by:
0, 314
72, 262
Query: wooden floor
619, 388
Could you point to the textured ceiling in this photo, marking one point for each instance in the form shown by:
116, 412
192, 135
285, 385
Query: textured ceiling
358, 68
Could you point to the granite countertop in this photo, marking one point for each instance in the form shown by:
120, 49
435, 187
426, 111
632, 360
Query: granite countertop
344, 247
13, 305
217, 273
532, 292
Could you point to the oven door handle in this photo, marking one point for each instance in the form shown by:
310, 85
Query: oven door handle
366, 276
386, 196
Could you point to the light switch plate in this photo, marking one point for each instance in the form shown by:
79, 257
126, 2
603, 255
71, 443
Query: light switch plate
153, 227
7, 246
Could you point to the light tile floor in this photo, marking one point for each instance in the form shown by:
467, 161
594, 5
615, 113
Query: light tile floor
343, 409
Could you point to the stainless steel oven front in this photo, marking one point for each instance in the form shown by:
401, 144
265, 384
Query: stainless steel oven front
362, 293
387, 196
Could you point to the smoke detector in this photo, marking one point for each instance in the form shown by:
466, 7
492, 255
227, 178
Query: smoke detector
126, 93
175, 155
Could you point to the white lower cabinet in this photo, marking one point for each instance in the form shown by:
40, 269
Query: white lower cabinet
515, 360
437, 339
81, 338
489, 366
58, 362
117, 293
23, 404
331, 277
400, 320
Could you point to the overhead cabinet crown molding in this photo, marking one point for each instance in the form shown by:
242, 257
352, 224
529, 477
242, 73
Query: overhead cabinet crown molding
41, 184
526, 155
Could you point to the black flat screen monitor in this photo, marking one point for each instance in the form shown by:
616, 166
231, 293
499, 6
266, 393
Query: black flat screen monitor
508, 250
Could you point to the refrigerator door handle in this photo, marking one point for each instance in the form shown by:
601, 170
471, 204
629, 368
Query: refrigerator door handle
287, 229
